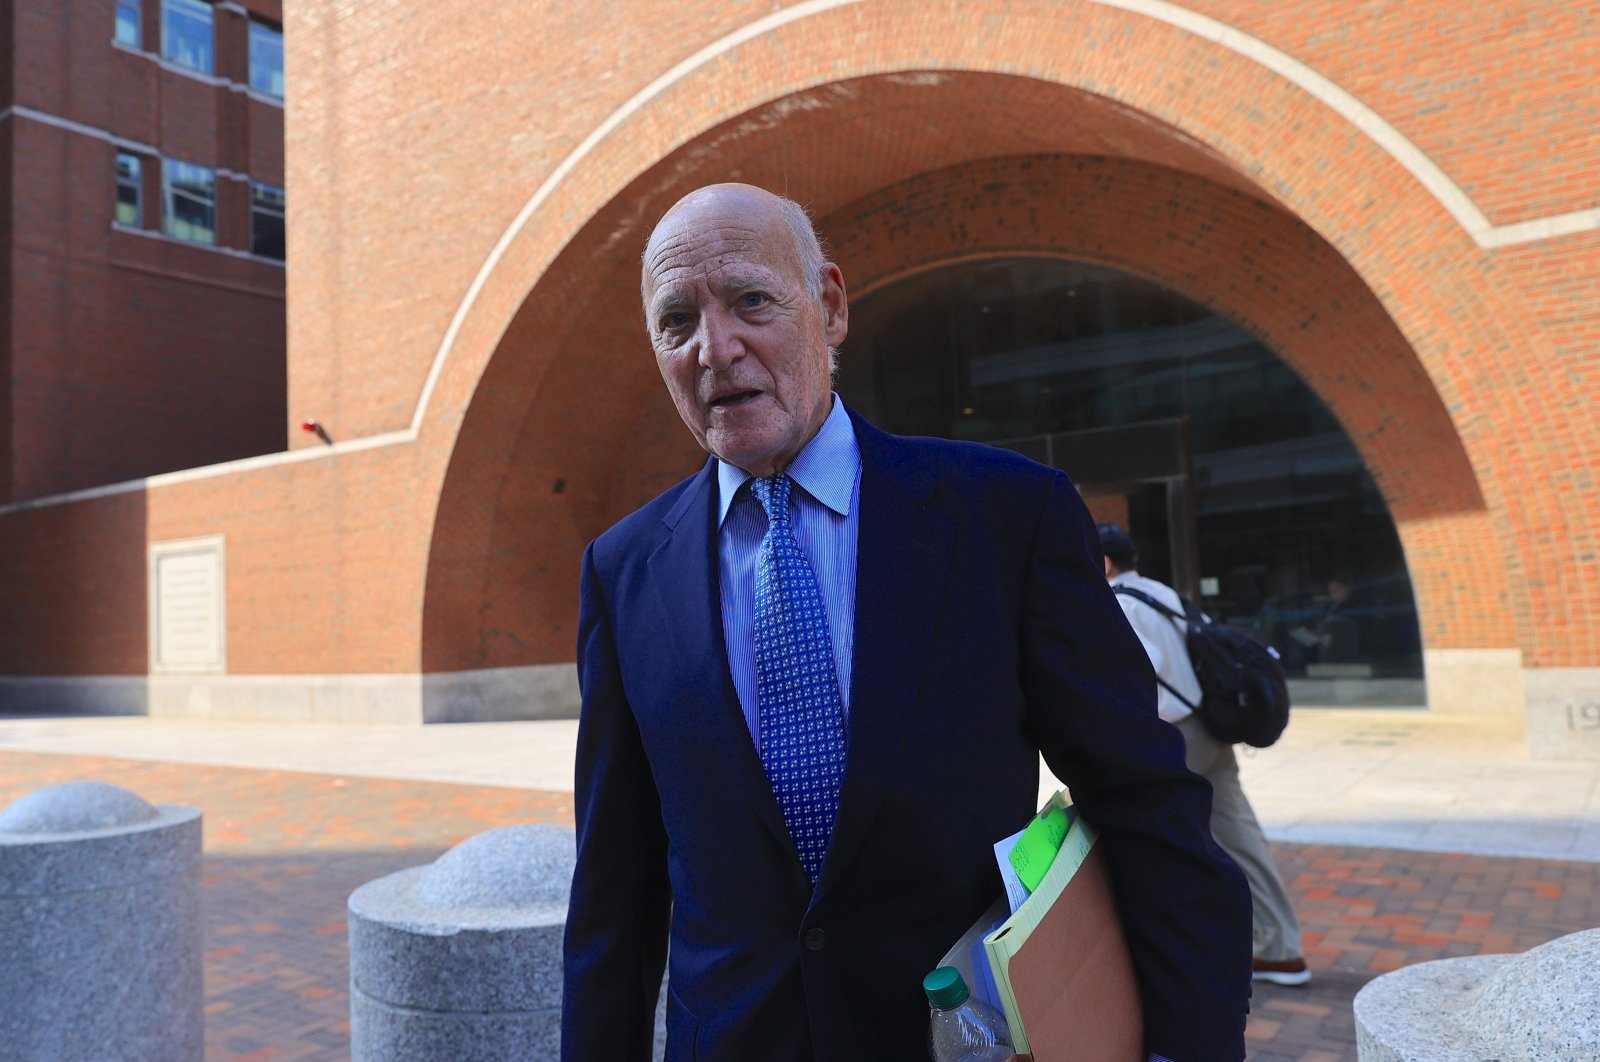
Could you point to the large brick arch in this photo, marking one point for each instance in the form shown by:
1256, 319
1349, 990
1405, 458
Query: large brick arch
554, 422
1254, 264
1244, 258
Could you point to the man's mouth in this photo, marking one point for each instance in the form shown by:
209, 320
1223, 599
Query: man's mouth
732, 399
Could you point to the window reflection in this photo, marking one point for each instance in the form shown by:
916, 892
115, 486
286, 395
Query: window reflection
1288, 531
189, 194
127, 24
266, 60
128, 189
186, 37
266, 221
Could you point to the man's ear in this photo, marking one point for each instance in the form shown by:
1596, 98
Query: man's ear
835, 305
1110, 568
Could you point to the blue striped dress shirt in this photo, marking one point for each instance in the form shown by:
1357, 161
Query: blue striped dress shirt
825, 512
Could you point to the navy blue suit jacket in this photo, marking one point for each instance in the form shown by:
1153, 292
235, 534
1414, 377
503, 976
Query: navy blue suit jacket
985, 633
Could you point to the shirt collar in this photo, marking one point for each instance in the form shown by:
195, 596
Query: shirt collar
826, 466
1123, 578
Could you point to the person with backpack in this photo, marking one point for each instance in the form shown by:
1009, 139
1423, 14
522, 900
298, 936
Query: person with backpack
1155, 612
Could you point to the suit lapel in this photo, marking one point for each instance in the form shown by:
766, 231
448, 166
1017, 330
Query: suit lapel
903, 556
684, 572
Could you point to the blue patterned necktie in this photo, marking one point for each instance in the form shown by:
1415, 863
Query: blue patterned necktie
802, 719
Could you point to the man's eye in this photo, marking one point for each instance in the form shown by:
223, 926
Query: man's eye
752, 299
672, 321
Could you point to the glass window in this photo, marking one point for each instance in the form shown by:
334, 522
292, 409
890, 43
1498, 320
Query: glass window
128, 23
128, 212
1260, 495
186, 33
266, 60
266, 221
189, 201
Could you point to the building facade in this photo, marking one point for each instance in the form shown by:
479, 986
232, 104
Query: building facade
1305, 292
143, 201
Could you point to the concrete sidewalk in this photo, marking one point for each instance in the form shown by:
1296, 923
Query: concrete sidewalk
528, 755
296, 817
1362, 777
1413, 780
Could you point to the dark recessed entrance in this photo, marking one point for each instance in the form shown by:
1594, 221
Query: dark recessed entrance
1238, 484
1141, 470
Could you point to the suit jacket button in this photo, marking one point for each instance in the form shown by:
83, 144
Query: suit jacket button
815, 939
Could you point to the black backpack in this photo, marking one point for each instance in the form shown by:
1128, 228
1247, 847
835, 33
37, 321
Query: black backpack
1243, 695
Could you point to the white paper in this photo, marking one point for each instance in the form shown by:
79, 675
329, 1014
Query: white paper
1016, 891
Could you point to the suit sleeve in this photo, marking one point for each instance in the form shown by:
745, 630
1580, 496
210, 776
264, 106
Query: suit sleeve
1092, 707
616, 936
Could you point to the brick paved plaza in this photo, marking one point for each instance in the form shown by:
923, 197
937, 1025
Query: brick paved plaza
283, 851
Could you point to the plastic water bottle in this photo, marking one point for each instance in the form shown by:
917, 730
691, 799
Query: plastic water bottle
960, 1028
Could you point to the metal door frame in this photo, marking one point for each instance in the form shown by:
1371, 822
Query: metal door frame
1149, 453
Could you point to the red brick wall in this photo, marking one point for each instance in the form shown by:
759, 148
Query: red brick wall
1406, 60
75, 601
419, 135
324, 561
1428, 291
1490, 90
1554, 467
1246, 259
131, 354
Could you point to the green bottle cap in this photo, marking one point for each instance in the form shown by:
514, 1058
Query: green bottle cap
945, 988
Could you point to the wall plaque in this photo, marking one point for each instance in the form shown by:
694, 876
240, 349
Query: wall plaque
187, 616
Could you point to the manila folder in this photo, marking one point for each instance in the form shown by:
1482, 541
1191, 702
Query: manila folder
1073, 979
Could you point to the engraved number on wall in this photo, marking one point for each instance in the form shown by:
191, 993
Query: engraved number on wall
1583, 716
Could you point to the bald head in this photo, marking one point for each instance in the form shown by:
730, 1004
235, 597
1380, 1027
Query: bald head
761, 210
743, 312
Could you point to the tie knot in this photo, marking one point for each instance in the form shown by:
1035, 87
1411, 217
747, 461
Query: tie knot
773, 494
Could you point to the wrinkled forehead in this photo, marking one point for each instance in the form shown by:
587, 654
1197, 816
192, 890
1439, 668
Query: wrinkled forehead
690, 251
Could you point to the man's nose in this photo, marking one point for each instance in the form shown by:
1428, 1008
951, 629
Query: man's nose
720, 343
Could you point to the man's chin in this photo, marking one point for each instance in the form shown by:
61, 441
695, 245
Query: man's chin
741, 453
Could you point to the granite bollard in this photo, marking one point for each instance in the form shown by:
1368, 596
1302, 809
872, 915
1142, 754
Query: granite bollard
461, 959
1538, 1006
100, 957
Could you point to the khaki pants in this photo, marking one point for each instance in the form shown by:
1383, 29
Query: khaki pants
1234, 825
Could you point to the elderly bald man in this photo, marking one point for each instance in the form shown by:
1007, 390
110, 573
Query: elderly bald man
817, 676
